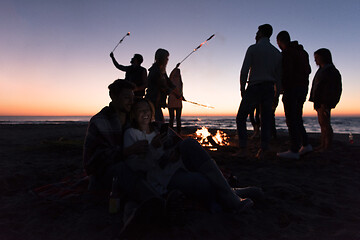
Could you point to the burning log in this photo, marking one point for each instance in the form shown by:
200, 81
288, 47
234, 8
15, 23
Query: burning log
205, 138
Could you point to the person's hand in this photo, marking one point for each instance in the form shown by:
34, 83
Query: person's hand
139, 147
112, 55
158, 140
178, 65
174, 156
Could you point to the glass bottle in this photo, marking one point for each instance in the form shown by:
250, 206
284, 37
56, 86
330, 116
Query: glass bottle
114, 198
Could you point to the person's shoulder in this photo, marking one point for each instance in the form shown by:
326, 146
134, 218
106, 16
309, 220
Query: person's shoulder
334, 71
103, 113
253, 46
131, 132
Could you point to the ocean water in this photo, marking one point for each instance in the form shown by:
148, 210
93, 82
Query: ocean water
339, 124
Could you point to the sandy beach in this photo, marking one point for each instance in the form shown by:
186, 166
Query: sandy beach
316, 197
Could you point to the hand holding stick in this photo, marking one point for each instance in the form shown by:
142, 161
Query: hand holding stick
128, 34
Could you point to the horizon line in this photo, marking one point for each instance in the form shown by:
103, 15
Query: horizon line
185, 115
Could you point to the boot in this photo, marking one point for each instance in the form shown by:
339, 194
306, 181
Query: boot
226, 195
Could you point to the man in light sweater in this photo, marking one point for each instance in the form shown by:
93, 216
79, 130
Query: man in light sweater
261, 70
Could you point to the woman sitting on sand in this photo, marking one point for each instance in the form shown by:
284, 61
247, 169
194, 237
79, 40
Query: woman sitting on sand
162, 166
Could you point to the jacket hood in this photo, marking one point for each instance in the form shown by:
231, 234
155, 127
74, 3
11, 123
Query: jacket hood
295, 44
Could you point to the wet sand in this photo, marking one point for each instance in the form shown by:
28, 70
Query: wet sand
316, 197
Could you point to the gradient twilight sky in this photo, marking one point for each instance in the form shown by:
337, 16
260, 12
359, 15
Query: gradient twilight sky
55, 53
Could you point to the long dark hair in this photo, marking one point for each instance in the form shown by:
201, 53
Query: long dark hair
133, 122
325, 55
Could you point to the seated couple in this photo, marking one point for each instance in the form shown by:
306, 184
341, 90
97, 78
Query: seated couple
123, 142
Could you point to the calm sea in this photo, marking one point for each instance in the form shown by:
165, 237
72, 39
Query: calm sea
339, 124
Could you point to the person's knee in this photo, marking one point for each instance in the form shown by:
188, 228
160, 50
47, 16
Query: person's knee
193, 155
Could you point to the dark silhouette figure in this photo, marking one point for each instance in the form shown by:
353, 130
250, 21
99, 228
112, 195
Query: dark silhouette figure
264, 60
254, 117
134, 73
159, 84
175, 99
325, 94
294, 81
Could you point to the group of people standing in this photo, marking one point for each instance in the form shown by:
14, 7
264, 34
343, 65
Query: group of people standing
266, 72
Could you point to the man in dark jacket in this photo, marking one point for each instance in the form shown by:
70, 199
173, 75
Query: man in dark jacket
135, 73
295, 81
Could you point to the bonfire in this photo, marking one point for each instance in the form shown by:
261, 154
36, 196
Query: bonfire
206, 139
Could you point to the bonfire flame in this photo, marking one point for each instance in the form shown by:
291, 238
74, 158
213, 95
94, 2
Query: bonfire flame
221, 138
204, 137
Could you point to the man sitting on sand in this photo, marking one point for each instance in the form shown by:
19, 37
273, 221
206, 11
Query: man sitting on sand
104, 155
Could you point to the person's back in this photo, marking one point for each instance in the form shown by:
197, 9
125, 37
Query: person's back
327, 86
264, 61
137, 75
296, 67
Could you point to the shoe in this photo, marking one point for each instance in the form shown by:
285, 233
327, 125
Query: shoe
305, 149
288, 154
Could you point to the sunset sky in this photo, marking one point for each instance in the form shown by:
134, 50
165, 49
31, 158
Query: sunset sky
54, 57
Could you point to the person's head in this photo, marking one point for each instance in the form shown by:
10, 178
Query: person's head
162, 56
122, 95
283, 39
142, 113
264, 30
137, 59
322, 57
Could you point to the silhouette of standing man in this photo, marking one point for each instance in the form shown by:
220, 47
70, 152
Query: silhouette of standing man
295, 82
135, 73
262, 64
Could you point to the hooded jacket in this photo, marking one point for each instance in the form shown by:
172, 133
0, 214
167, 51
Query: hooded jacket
326, 87
295, 67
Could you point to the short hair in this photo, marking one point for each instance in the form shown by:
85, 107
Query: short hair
161, 55
118, 85
266, 30
325, 55
133, 109
283, 37
139, 58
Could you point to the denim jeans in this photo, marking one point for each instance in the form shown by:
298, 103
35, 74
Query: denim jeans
194, 185
293, 100
262, 94
130, 182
